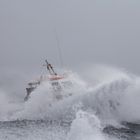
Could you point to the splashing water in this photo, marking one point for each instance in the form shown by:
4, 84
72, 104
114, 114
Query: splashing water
86, 126
93, 106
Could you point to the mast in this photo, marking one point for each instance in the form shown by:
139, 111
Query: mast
50, 68
59, 49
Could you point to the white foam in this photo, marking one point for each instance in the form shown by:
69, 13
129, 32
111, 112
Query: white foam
87, 126
115, 98
7, 109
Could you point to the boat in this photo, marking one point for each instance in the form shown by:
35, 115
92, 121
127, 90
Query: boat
57, 81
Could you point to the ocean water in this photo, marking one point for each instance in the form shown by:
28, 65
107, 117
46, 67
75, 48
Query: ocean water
104, 106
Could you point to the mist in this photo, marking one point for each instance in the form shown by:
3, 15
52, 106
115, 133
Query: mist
89, 32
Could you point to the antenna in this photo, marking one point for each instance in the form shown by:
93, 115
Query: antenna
59, 49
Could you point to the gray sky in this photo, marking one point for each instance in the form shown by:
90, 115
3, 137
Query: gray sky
89, 31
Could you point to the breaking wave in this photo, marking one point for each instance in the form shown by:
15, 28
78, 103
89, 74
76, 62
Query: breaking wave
113, 100
95, 103
86, 126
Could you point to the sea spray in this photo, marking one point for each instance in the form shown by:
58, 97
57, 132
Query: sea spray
112, 99
43, 104
130, 103
108, 99
86, 126
85, 114
7, 108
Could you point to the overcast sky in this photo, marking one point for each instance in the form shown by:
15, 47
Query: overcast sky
89, 31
